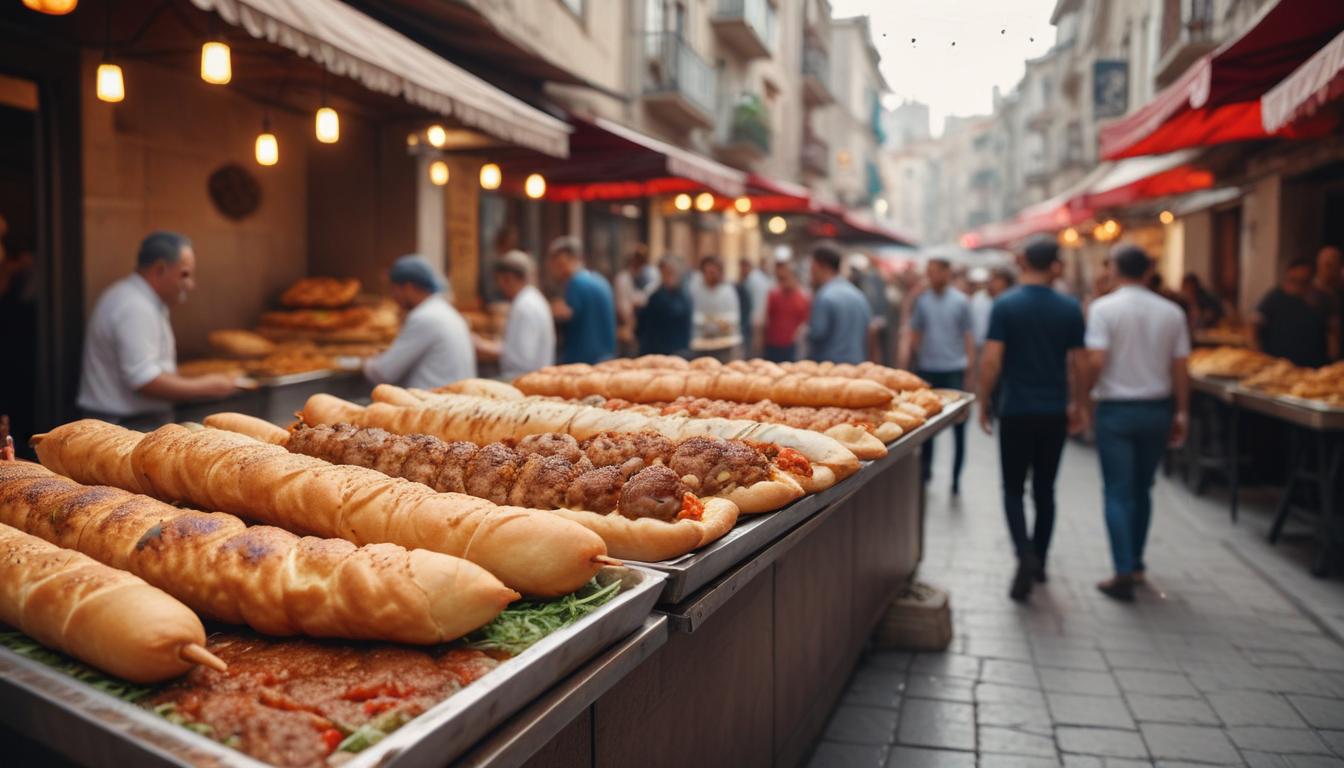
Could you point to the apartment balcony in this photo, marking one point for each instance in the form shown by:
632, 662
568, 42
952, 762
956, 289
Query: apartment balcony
816, 156
746, 26
1187, 34
679, 85
817, 77
744, 139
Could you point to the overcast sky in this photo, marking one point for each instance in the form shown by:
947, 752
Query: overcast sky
992, 38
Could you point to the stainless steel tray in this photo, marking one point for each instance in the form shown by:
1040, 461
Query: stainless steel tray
1308, 414
299, 378
1217, 388
99, 730
690, 572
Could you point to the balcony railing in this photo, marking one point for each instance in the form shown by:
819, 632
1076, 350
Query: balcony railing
678, 79
1187, 34
748, 26
744, 138
816, 76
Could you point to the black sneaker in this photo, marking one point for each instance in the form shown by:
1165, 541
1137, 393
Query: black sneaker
1039, 574
1119, 588
1022, 580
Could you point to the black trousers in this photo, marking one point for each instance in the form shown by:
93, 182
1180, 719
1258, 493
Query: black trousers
946, 380
1031, 445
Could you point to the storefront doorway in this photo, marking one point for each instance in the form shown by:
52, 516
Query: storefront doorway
18, 254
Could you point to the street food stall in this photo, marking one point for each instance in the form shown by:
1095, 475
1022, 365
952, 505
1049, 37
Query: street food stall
729, 537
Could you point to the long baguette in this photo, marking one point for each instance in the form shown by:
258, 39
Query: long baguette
104, 617
656, 386
529, 550
461, 417
267, 578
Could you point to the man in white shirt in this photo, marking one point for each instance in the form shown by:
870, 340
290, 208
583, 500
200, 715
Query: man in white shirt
758, 285
434, 345
1137, 344
631, 288
716, 312
529, 334
129, 375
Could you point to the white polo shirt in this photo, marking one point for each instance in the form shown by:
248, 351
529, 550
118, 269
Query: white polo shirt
529, 335
1141, 333
433, 348
128, 343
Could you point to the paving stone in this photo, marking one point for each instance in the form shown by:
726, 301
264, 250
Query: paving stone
872, 698
1154, 683
997, 649
1100, 711
1181, 710
923, 686
1140, 660
1073, 658
942, 724
1100, 741
947, 665
1334, 740
1254, 708
1017, 761
1078, 681
1263, 738
1013, 715
1188, 742
911, 757
1009, 693
1014, 742
862, 725
1268, 760
1320, 712
1016, 673
830, 754
899, 660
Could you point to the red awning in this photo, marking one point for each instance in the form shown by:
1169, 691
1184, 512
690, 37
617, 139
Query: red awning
774, 196
1052, 215
608, 161
1301, 94
1144, 178
841, 224
1217, 100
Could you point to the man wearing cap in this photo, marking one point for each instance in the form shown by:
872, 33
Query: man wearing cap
529, 333
1033, 342
587, 310
1137, 345
434, 345
129, 375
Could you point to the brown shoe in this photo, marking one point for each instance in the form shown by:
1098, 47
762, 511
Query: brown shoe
1139, 577
1118, 588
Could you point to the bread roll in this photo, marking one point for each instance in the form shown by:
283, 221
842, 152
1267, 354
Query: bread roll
654, 386
267, 578
257, 429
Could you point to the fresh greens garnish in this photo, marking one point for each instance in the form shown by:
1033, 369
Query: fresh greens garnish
372, 732
29, 648
524, 623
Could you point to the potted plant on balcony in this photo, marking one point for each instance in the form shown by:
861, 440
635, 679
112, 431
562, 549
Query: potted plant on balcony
751, 121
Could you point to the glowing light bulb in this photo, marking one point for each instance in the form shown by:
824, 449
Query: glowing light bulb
742, 204
437, 136
777, 225
535, 186
1069, 236
327, 125
1166, 217
438, 173
704, 201
216, 63
111, 86
491, 176
268, 149
52, 7
682, 202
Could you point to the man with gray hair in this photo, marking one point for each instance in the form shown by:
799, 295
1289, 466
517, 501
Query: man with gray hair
129, 374
587, 310
434, 345
529, 334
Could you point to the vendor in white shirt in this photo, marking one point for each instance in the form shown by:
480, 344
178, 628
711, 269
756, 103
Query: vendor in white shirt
129, 374
434, 345
529, 334
715, 309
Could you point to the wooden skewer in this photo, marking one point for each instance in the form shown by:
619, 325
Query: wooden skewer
195, 653
35, 439
604, 560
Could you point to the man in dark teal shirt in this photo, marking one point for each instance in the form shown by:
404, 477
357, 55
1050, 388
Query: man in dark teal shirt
1035, 336
587, 311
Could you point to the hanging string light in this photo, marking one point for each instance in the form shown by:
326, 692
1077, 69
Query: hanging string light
1166, 217
704, 202
267, 148
437, 136
742, 204
682, 202
110, 85
491, 176
326, 123
777, 225
216, 62
438, 173
535, 186
51, 7
1069, 237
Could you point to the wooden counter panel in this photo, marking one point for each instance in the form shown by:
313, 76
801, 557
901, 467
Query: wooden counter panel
705, 696
570, 748
886, 540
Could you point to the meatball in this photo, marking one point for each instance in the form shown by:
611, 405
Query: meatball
551, 444
492, 471
653, 492
452, 474
424, 457
596, 490
363, 446
747, 465
543, 482
617, 447
719, 463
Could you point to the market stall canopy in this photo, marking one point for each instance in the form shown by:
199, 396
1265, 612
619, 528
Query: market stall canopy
1204, 200
1217, 99
1144, 178
1059, 212
848, 226
608, 161
1317, 82
774, 196
349, 44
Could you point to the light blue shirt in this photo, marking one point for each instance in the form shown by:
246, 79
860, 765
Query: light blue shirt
942, 320
837, 331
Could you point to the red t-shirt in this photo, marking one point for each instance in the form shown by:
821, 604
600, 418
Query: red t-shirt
785, 311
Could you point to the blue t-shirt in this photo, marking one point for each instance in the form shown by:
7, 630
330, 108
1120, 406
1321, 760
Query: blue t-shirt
1038, 326
590, 335
943, 320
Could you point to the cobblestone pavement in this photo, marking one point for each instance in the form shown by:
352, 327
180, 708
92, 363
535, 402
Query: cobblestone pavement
1214, 664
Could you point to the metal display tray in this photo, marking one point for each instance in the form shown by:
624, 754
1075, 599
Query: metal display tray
1308, 414
1218, 388
692, 571
299, 378
96, 729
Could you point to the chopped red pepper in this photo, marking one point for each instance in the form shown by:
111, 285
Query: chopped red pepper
332, 738
691, 507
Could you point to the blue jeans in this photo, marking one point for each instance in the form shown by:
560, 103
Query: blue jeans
946, 380
784, 354
1131, 440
